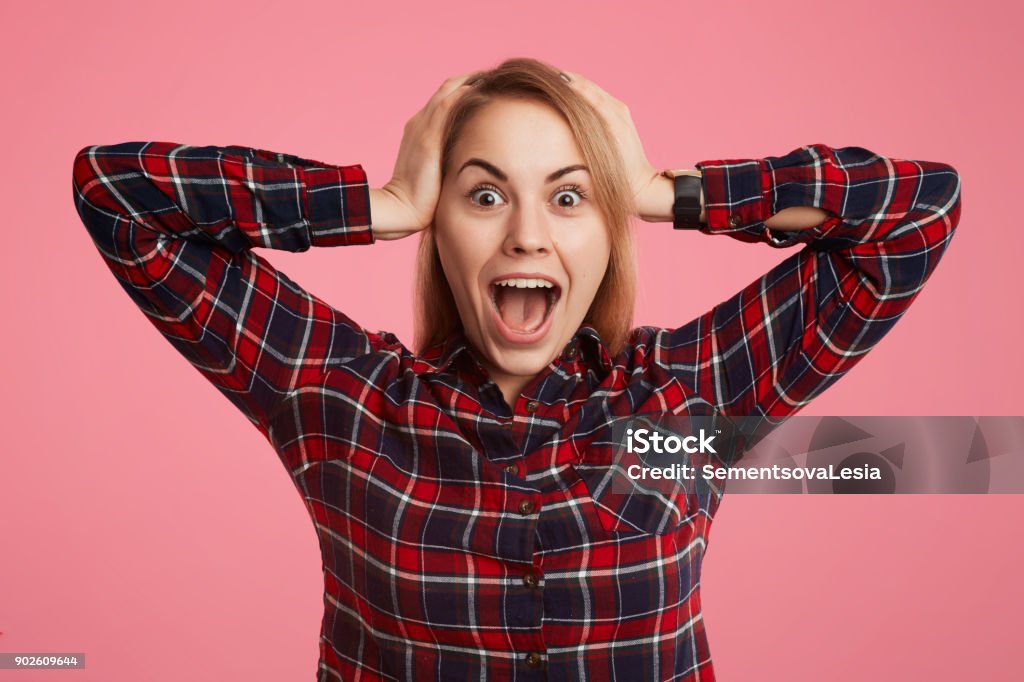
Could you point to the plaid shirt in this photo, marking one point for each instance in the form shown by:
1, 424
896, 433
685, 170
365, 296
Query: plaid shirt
463, 538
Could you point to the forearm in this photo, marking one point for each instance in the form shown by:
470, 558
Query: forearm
236, 197
793, 218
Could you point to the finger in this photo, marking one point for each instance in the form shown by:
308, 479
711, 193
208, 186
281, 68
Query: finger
588, 85
583, 86
593, 92
463, 82
576, 78
449, 96
452, 84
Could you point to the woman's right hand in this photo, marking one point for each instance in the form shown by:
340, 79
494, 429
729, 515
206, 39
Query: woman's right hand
405, 205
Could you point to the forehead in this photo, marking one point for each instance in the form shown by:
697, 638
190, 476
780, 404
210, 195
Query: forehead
519, 136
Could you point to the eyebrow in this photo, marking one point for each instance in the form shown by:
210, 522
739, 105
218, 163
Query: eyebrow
498, 173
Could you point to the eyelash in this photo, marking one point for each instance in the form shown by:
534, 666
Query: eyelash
572, 187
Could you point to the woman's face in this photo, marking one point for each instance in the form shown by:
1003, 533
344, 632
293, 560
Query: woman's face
517, 206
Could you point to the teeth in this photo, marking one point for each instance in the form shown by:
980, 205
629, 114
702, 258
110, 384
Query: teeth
525, 283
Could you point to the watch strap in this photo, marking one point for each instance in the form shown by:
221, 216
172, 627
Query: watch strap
686, 206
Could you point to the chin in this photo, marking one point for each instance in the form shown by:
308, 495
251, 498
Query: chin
523, 362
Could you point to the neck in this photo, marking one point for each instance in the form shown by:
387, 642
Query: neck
510, 385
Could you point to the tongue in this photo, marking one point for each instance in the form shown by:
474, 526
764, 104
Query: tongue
521, 309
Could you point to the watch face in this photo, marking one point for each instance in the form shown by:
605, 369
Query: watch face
686, 208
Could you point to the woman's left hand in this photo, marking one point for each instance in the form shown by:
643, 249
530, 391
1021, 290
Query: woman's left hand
653, 193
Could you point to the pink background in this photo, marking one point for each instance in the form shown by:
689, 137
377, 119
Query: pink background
146, 523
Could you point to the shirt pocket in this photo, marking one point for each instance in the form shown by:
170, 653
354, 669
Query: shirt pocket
625, 505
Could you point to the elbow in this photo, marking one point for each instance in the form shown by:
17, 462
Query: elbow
83, 177
954, 199
83, 174
91, 179
93, 200
942, 193
938, 216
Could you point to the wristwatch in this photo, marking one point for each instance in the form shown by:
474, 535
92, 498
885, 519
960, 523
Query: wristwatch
686, 208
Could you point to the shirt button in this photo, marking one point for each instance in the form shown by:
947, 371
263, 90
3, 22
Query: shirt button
512, 468
532, 406
534, 660
526, 507
531, 579
570, 352
734, 220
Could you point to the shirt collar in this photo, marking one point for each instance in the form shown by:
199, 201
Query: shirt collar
593, 348
439, 357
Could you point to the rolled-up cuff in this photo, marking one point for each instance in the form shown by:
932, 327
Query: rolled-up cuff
736, 198
337, 206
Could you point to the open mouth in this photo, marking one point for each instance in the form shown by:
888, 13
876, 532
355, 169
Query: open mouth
523, 305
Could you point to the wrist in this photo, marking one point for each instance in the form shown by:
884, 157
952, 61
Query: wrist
659, 197
662, 200
390, 218
381, 213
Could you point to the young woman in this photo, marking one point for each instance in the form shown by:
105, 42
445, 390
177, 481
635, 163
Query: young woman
456, 490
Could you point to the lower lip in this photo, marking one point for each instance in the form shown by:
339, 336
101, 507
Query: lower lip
521, 338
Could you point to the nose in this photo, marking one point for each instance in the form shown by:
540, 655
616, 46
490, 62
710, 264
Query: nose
528, 232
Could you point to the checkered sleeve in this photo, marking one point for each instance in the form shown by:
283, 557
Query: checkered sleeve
791, 333
176, 224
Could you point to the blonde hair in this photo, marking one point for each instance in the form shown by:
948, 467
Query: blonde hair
611, 312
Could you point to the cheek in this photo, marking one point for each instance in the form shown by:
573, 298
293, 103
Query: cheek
462, 260
594, 274
465, 243
586, 254
460, 255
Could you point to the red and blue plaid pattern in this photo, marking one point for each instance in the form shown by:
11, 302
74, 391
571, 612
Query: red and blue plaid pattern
463, 538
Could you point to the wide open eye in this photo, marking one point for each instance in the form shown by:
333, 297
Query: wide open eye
574, 194
484, 196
